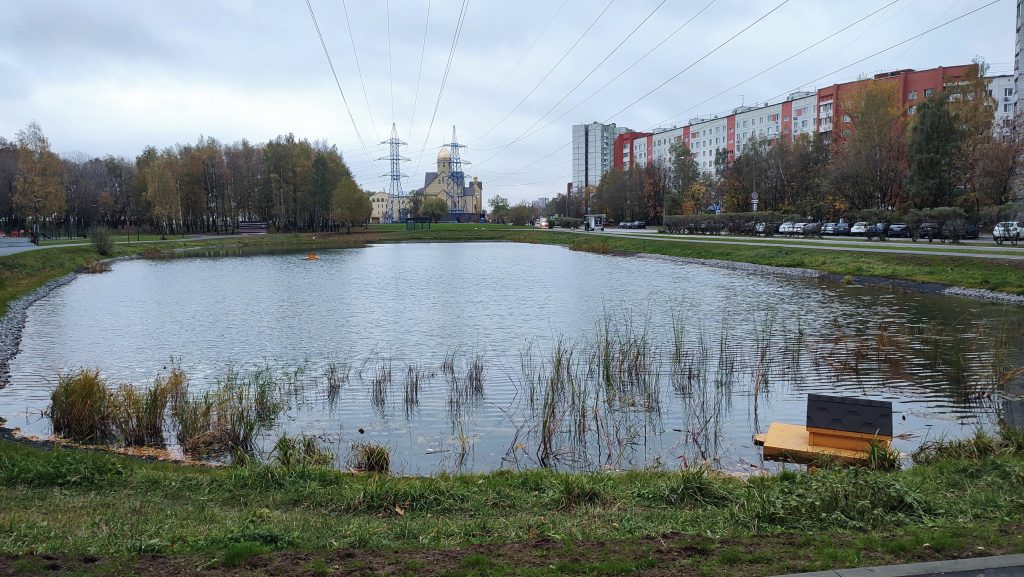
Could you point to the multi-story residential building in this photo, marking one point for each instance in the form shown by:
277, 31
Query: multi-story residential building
1017, 62
592, 152
1002, 90
800, 113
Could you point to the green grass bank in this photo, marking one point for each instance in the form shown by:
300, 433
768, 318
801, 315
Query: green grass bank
98, 514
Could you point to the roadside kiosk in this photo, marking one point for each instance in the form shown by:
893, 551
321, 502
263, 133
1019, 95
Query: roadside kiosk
593, 222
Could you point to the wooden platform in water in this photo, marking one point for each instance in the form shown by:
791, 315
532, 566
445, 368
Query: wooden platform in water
792, 442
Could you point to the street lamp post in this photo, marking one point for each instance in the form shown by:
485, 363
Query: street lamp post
36, 229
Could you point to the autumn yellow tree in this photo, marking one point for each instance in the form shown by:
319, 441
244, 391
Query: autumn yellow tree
870, 157
39, 187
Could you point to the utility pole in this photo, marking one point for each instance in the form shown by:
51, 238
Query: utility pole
753, 180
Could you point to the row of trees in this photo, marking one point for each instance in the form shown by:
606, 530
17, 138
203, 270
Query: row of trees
205, 187
877, 157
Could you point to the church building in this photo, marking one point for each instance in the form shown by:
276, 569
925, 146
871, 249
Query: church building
436, 184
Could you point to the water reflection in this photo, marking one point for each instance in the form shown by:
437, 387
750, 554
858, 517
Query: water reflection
486, 355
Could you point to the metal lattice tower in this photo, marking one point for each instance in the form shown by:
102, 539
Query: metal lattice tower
455, 185
397, 210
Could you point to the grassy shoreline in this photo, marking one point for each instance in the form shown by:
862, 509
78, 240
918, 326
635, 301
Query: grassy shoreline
91, 513
74, 504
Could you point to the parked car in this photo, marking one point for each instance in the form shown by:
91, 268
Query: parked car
879, 229
798, 228
1011, 231
626, 224
812, 229
971, 230
786, 228
859, 229
842, 229
541, 223
639, 224
929, 230
828, 229
899, 230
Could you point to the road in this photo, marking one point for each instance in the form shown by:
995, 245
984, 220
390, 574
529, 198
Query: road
894, 246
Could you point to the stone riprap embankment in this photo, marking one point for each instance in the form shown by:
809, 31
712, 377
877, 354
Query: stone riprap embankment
12, 323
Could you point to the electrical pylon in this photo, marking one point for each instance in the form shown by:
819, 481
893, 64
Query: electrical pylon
455, 186
397, 211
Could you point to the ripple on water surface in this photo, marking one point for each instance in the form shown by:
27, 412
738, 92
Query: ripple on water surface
716, 354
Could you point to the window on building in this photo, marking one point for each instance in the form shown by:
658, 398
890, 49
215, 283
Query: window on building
785, 119
1007, 92
912, 95
929, 92
1007, 107
912, 110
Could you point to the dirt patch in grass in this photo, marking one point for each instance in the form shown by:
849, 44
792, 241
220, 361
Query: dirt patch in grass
672, 554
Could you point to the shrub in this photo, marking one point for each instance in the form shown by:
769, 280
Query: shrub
80, 407
596, 246
138, 415
370, 458
566, 222
301, 452
96, 267
102, 240
979, 446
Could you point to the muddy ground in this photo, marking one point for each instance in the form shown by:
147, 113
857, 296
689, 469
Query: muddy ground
668, 555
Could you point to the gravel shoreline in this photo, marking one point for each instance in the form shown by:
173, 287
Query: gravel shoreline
934, 288
13, 322
739, 266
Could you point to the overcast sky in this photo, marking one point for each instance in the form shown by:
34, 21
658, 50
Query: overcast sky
106, 77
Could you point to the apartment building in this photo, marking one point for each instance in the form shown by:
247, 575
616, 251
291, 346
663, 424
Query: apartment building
799, 113
592, 152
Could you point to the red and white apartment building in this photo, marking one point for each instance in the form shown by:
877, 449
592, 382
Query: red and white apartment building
800, 113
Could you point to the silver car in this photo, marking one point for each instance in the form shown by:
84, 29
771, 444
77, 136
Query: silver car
1007, 231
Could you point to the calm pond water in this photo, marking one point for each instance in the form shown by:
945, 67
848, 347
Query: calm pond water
659, 363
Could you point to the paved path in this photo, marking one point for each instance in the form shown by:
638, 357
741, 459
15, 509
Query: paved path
997, 566
998, 253
10, 245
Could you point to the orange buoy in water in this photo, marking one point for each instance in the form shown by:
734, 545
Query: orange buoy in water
312, 256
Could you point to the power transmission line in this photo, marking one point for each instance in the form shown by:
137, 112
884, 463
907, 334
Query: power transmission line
553, 68
359, 71
444, 78
391, 80
780, 63
896, 45
836, 71
336, 81
578, 84
695, 62
508, 72
419, 75
677, 74
615, 77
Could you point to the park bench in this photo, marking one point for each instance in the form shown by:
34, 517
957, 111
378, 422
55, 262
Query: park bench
839, 427
252, 227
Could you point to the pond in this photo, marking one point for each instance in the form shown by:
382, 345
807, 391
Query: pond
480, 356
